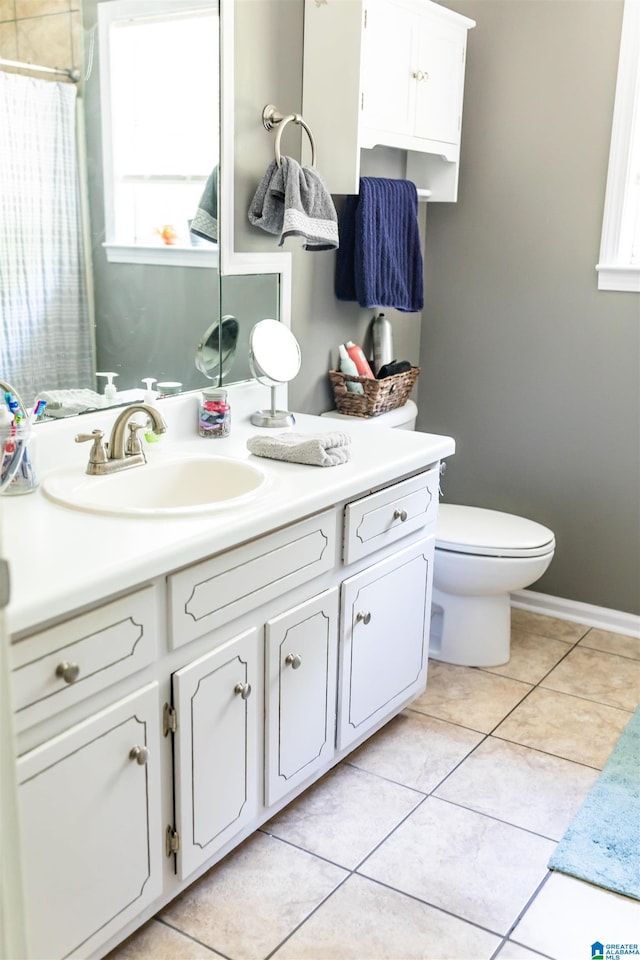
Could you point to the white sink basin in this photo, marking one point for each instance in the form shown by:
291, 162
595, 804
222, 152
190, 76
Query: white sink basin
169, 488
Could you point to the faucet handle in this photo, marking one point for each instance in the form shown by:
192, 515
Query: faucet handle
98, 452
134, 444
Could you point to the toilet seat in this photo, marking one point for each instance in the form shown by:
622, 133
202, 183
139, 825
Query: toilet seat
489, 533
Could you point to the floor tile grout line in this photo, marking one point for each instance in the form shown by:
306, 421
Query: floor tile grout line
189, 936
491, 816
428, 903
309, 915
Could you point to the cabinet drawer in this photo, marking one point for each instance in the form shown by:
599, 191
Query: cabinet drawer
384, 517
64, 664
218, 590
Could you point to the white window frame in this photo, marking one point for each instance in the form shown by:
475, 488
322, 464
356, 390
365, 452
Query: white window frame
116, 252
616, 271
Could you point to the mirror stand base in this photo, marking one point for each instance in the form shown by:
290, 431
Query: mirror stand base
272, 418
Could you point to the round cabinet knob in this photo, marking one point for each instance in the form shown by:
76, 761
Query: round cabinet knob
400, 515
363, 618
68, 671
294, 660
244, 689
140, 755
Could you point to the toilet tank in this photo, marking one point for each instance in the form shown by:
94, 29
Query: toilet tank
402, 418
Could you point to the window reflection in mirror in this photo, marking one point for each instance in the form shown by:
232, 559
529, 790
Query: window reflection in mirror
159, 84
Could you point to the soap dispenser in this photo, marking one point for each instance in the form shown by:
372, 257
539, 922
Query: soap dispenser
110, 390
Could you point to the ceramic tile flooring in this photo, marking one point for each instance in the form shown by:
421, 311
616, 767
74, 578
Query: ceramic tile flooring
432, 839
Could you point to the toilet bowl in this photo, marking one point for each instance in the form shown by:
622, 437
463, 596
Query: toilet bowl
481, 556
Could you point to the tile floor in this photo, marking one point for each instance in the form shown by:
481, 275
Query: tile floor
432, 839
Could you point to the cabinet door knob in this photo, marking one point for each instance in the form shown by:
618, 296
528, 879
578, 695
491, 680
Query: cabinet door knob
140, 755
420, 75
294, 659
363, 618
244, 689
400, 515
68, 671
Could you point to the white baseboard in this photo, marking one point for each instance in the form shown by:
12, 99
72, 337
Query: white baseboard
614, 620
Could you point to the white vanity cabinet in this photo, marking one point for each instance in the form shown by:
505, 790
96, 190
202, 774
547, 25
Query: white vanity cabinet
215, 749
400, 85
89, 802
384, 639
206, 700
300, 693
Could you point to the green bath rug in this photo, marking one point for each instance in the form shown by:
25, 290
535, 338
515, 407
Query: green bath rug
602, 844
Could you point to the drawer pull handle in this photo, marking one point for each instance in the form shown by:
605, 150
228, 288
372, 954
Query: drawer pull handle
244, 689
140, 755
363, 618
68, 671
400, 515
294, 659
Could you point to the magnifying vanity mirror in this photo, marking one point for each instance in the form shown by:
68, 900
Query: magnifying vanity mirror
217, 349
146, 288
274, 357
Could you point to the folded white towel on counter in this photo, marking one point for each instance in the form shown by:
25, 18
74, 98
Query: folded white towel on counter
316, 449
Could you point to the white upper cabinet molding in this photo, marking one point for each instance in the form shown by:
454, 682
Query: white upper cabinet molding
619, 265
397, 83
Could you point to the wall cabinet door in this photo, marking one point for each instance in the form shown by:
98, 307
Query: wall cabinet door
215, 748
91, 828
300, 693
413, 75
384, 639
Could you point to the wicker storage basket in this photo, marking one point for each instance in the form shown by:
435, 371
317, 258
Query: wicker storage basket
378, 397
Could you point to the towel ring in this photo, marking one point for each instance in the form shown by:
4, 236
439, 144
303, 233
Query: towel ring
271, 117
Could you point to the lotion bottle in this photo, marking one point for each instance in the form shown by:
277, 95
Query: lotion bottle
357, 355
109, 390
348, 366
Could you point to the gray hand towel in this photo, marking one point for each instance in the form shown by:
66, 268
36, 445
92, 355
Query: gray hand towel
293, 201
316, 449
205, 222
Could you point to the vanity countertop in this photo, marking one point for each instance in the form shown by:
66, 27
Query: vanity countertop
61, 559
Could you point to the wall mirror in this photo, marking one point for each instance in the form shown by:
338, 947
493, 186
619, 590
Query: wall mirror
150, 289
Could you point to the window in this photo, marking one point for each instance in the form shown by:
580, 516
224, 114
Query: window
160, 125
619, 266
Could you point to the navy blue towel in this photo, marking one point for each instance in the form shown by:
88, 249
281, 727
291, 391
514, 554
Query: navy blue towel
379, 261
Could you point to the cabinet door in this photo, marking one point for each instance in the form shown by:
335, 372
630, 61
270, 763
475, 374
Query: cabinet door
91, 828
384, 639
300, 691
215, 749
439, 82
387, 85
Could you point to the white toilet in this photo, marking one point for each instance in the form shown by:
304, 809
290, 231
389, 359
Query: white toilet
481, 556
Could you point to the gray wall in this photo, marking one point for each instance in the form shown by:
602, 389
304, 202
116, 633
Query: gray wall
525, 363
531, 368
268, 50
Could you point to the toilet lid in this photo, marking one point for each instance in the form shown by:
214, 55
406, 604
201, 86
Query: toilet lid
490, 533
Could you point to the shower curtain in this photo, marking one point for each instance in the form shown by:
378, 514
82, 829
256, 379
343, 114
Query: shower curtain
45, 335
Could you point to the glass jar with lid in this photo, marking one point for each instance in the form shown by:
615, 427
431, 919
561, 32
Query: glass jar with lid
214, 413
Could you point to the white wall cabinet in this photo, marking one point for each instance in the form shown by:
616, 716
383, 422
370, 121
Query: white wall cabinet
248, 675
400, 85
90, 822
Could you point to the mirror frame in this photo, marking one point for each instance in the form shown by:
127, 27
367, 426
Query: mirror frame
231, 261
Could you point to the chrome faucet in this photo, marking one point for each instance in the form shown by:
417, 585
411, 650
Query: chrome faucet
118, 453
